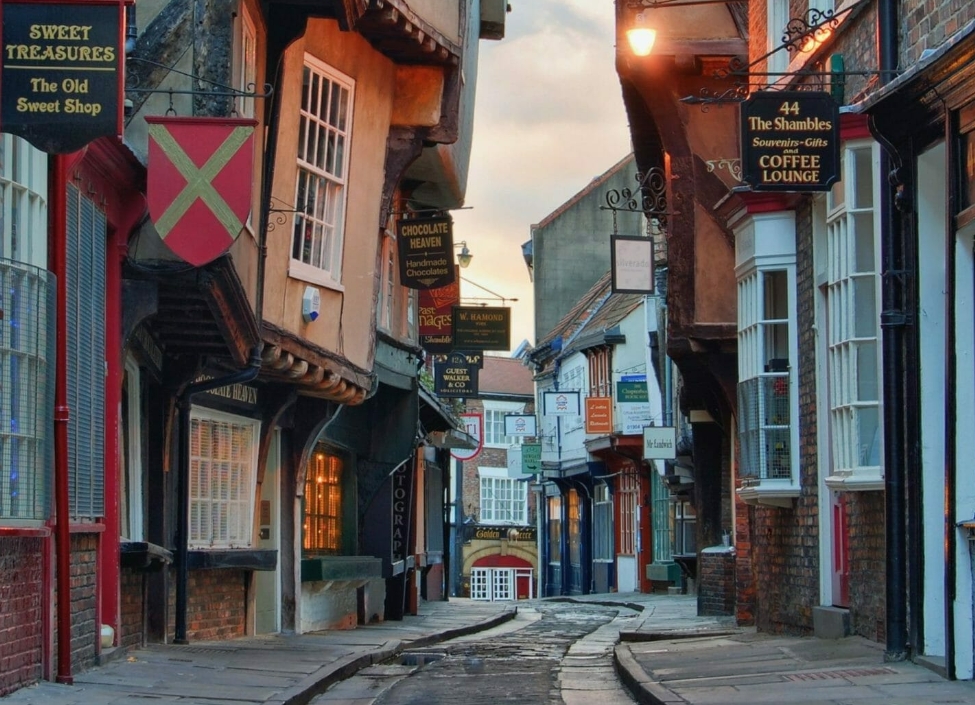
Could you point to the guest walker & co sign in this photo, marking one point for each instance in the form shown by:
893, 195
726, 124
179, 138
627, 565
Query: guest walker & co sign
62, 72
790, 141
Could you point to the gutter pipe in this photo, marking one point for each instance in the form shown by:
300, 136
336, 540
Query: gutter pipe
895, 320
57, 234
184, 404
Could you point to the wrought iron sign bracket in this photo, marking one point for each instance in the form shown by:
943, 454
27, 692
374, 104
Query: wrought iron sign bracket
219, 90
800, 34
649, 197
281, 214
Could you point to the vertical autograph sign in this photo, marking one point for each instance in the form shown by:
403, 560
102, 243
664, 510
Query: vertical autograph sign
61, 72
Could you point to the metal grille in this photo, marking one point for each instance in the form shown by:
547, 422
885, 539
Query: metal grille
27, 333
764, 427
85, 279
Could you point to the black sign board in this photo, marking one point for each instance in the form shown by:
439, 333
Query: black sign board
437, 343
790, 141
496, 533
482, 327
475, 358
455, 377
426, 252
61, 73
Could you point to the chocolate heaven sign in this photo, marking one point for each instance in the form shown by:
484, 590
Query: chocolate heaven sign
426, 252
790, 141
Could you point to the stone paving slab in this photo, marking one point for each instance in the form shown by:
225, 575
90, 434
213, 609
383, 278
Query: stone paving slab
277, 670
761, 668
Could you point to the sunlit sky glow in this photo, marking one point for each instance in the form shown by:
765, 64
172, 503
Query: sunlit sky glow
548, 119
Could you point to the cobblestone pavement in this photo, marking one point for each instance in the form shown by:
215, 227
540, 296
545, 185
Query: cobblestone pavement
550, 653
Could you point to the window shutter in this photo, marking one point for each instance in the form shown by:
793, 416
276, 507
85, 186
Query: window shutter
85, 279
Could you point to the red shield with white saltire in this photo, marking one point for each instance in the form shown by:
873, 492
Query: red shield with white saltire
200, 183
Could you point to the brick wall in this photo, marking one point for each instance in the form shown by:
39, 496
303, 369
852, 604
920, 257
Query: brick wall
21, 610
85, 629
716, 583
130, 594
216, 604
786, 540
866, 521
929, 23
745, 591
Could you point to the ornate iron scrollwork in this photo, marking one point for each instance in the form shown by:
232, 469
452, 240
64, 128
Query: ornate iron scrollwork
816, 25
649, 197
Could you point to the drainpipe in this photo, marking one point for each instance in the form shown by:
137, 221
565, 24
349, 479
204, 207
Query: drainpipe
57, 232
895, 323
951, 414
184, 403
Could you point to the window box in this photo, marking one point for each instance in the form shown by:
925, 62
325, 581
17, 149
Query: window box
238, 558
143, 555
341, 568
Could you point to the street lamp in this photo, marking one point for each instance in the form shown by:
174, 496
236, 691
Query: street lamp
465, 256
640, 36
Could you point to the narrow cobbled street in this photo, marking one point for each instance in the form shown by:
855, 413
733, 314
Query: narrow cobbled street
551, 653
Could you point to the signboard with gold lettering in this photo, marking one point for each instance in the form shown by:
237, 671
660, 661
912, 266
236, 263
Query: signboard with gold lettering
426, 252
790, 141
455, 377
62, 72
436, 307
482, 327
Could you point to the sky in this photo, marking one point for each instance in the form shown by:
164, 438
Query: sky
548, 119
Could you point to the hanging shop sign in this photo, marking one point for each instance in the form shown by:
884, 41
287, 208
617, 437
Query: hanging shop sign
531, 458
632, 404
61, 82
474, 427
561, 403
632, 264
482, 327
790, 141
455, 377
520, 425
473, 358
659, 443
599, 415
200, 183
436, 312
426, 252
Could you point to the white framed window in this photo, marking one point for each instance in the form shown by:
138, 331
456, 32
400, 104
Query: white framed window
387, 283
223, 465
131, 524
27, 335
503, 584
23, 202
480, 583
494, 413
245, 59
778, 18
503, 500
768, 429
849, 289
324, 136
602, 513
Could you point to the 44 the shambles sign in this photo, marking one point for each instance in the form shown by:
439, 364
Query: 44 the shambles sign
426, 252
790, 141
62, 72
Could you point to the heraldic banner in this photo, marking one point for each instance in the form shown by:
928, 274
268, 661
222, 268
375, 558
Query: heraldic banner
200, 183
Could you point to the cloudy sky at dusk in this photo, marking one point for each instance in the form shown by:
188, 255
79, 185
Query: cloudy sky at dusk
548, 119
